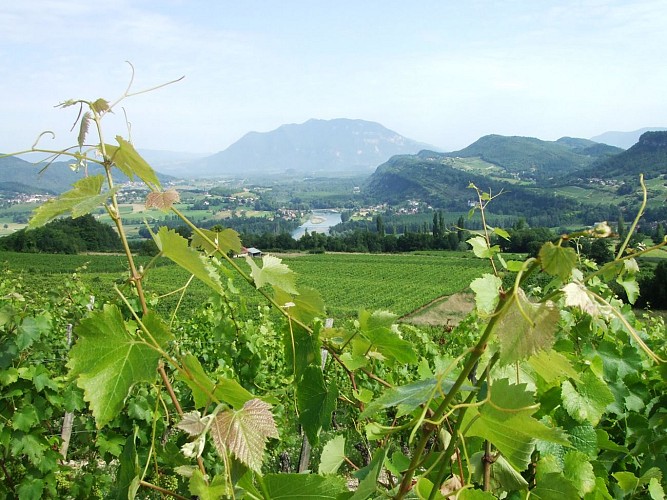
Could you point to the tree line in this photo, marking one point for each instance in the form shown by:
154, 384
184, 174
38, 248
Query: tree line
66, 236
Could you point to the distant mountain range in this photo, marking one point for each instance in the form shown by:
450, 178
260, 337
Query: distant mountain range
624, 139
400, 167
531, 173
316, 147
20, 176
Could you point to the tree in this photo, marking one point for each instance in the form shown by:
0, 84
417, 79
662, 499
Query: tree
600, 251
659, 235
621, 226
379, 223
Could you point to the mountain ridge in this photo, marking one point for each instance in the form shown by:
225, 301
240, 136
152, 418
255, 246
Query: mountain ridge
315, 146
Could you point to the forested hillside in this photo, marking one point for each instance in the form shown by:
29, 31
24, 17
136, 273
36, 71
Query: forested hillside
67, 235
533, 158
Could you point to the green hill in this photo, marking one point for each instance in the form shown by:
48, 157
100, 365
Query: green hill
58, 177
533, 159
648, 156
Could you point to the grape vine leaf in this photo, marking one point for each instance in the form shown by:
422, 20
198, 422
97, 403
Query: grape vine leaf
470, 494
202, 387
302, 350
201, 489
244, 432
631, 287
128, 161
31, 329
109, 357
577, 295
552, 366
487, 292
175, 247
128, 470
554, 486
481, 249
507, 422
307, 306
162, 200
369, 475
193, 423
315, 401
223, 241
83, 128
557, 260
579, 471
378, 328
273, 272
333, 455
503, 475
86, 195
525, 328
588, 402
303, 487
408, 397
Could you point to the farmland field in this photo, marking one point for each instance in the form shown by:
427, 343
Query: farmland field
398, 283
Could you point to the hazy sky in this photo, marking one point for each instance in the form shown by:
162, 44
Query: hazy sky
443, 72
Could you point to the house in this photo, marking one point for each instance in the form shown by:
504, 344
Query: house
253, 252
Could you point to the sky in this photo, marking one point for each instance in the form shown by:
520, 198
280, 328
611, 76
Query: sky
443, 72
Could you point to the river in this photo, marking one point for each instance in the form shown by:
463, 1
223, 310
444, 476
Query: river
319, 222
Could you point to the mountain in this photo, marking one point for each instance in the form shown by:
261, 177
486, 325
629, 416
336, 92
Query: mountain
648, 156
169, 161
535, 176
531, 158
624, 139
19, 175
314, 147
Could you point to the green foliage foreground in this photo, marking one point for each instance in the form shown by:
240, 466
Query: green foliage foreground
555, 392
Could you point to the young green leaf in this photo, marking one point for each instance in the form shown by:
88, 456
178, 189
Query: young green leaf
379, 329
507, 423
126, 158
223, 241
175, 247
109, 358
273, 272
316, 402
85, 195
308, 304
487, 292
408, 397
481, 249
202, 387
579, 471
333, 456
588, 402
525, 328
199, 487
303, 487
557, 260
244, 432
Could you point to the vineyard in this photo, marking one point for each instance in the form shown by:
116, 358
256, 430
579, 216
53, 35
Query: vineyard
347, 282
554, 387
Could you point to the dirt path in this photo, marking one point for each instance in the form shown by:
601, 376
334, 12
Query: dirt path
449, 310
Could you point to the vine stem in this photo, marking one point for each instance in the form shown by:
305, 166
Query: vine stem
177, 405
284, 311
634, 223
164, 491
476, 354
457, 427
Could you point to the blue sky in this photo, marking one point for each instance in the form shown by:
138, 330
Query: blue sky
440, 72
